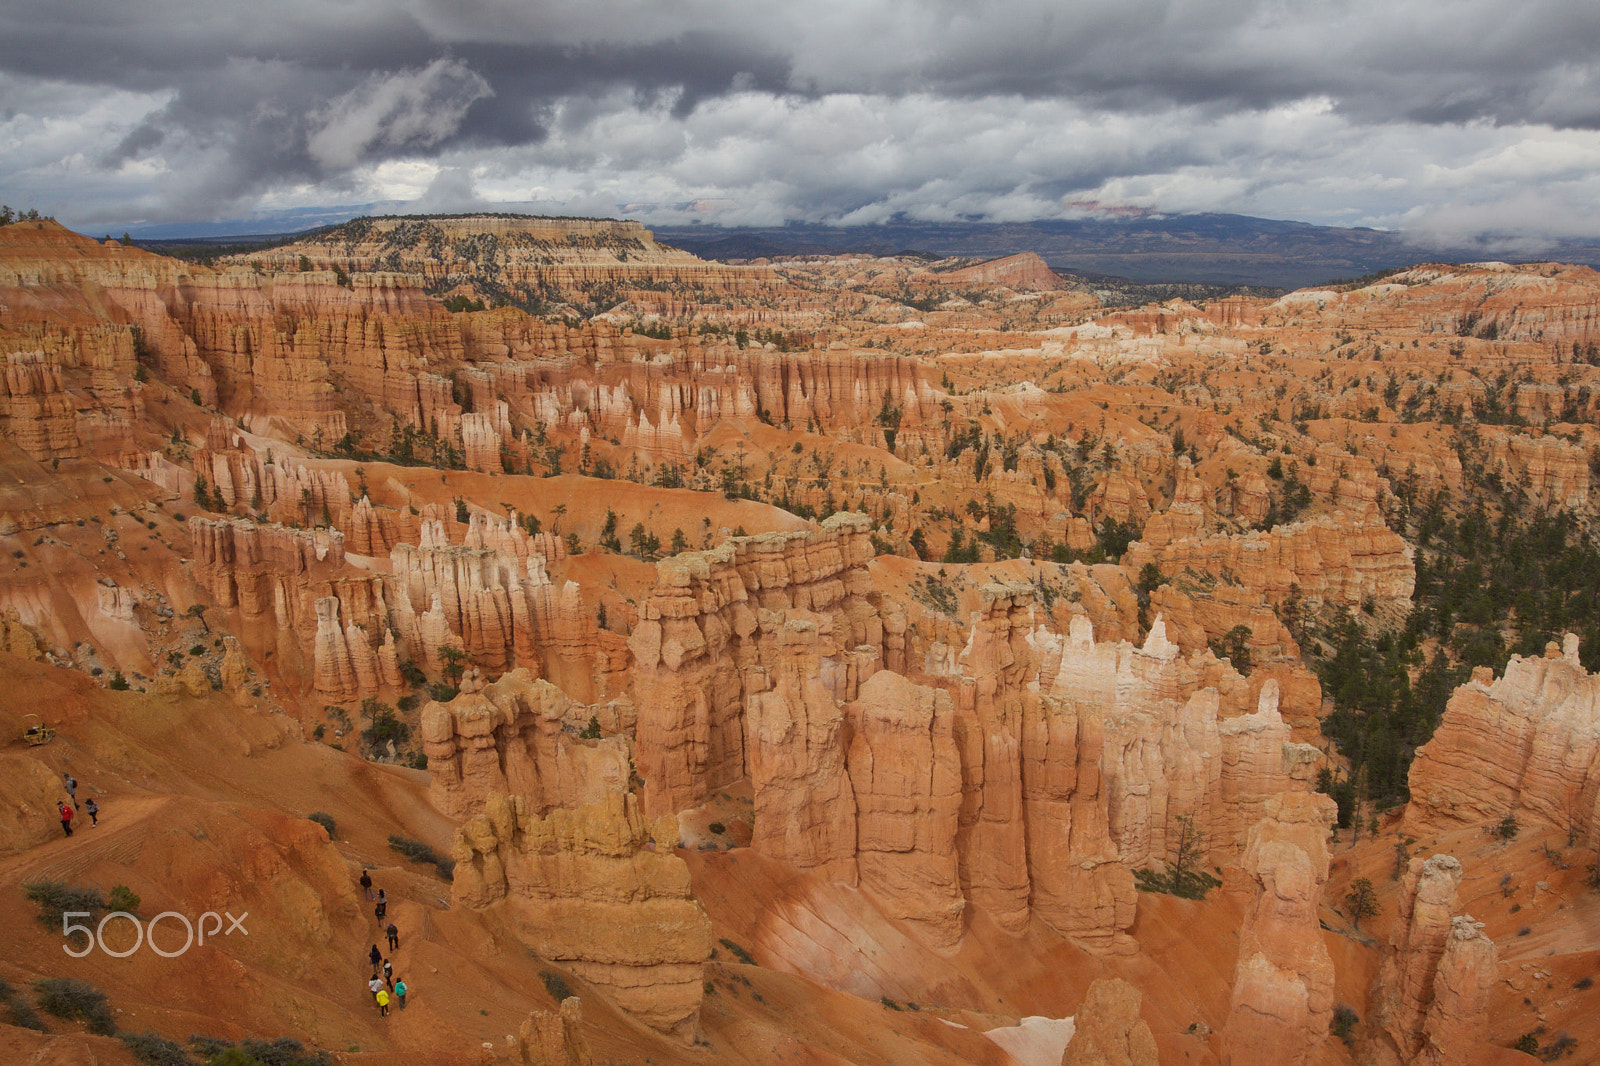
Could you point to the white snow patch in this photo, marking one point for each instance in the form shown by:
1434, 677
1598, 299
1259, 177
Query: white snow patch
1038, 1041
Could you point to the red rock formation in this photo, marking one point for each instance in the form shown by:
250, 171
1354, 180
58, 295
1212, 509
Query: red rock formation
1025, 272
1467, 971
1283, 986
553, 1038
805, 809
1404, 990
1527, 741
1108, 1030
516, 736
1331, 560
699, 632
906, 776
589, 894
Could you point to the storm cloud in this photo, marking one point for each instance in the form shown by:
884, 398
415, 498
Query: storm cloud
1445, 118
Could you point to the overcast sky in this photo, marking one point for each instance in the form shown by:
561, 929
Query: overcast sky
1441, 117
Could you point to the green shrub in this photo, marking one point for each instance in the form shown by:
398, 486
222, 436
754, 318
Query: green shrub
555, 984
324, 819
417, 851
156, 1050
284, 1051
70, 999
23, 1016
123, 898
1527, 1043
1344, 1024
738, 952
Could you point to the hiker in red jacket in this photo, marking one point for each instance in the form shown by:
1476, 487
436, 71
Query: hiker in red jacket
66, 817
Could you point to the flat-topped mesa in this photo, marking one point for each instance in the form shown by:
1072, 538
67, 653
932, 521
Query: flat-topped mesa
1283, 985
587, 892
516, 736
1331, 558
1528, 741
715, 614
521, 259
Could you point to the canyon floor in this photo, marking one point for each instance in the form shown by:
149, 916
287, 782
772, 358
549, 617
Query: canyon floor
820, 659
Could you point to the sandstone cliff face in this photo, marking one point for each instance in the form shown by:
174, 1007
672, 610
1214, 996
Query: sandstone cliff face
1108, 1030
1283, 987
489, 597
590, 894
906, 776
1332, 559
1529, 740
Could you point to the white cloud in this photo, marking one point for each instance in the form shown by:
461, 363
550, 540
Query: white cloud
409, 109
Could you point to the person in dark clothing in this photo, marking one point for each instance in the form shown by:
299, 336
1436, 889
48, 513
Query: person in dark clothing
366, 883
388, 972
382, 908
394, 936
375, 956
66, 817
70, 783
93, 809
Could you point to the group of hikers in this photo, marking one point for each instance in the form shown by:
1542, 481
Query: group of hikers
66, 810
385, 988
383, 985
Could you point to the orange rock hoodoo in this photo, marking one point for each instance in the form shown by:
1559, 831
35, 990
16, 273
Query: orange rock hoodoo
1283, 986
591, 894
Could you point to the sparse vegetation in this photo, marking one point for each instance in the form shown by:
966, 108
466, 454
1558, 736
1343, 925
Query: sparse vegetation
556, 985
417, 851
75, 1000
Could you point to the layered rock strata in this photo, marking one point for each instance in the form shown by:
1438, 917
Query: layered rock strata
1527, 741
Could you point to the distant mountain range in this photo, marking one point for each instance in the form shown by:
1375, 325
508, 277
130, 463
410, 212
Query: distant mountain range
1213, 249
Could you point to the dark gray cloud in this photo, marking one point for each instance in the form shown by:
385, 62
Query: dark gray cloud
1424, 113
